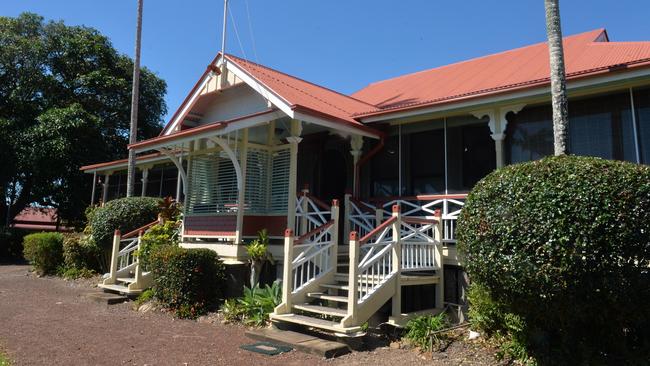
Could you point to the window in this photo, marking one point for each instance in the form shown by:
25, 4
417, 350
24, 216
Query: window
642, 111
470, 155
427, 161
602, 127
385, 169
598, 126
529, 135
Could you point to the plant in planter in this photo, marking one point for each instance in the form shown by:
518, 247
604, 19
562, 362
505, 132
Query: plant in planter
258, 254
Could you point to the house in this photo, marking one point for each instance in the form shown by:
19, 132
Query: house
38, 219
361, 192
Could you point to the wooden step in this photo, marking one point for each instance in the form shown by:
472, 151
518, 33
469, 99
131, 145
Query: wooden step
315, 323
325, 310
126, 279
335, 286
119, 289
342, 277
322, 296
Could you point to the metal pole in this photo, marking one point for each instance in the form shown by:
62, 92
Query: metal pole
446, 162
223, 32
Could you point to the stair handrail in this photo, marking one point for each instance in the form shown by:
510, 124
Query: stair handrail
316, 259
311, 212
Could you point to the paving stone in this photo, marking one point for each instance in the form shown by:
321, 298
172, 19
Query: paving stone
302, 342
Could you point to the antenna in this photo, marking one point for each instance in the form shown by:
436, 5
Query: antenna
223, 32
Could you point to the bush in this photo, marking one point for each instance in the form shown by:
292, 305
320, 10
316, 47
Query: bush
44, 251
563, 243
187, 281
421, 331
254, 307
74, 273
157, 236
126, 214
11, 244
80, 252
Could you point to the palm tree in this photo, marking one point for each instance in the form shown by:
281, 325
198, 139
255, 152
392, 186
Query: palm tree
135, 96
558, 76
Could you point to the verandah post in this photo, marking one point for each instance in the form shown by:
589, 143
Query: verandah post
287, 271
334, 252
440, 286
138, 269
397, 261
347, 207
117, 236
304, 207
353, 281
241, 194
294, 140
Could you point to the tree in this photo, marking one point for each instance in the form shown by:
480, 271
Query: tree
558, 76
135, 91
64, 103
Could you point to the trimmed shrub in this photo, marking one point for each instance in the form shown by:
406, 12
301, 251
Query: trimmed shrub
80, 252
126, 214
157, 236
44, 251
563, 243
187, 281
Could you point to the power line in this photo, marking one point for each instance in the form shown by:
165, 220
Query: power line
250, 30
234, 25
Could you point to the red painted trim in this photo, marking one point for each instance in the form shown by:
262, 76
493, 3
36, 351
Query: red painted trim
376, 230
314, 232
318, 202
118, 162
189, 95
362, 206
351, 123
139, 230
422, 197
196, 130
416, 220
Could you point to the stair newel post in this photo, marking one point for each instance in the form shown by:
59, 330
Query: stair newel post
353, 280
397, 261
304, 229
348, 210
440, 287
379, 215
334, 252
287, 274
117, 236
138, 268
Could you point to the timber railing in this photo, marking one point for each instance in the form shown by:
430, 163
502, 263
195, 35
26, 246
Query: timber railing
311, 213
361, 216
311, 258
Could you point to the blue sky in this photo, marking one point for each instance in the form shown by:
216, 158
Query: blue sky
341, 44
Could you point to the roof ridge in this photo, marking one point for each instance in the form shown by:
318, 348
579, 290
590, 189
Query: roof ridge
305, 81
599, 30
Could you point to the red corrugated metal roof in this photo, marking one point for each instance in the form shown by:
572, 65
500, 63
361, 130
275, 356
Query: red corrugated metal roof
301, 93
585, 53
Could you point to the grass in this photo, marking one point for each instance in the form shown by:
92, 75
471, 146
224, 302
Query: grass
4, 359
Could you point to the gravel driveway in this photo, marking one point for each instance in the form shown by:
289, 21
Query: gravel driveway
49, 321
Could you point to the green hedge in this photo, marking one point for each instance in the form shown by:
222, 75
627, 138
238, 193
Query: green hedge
126, 214
44, 251
80, 252
187, 281
564, 243
157, 236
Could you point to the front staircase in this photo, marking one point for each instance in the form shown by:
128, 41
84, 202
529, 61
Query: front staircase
126, 275
337, 291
